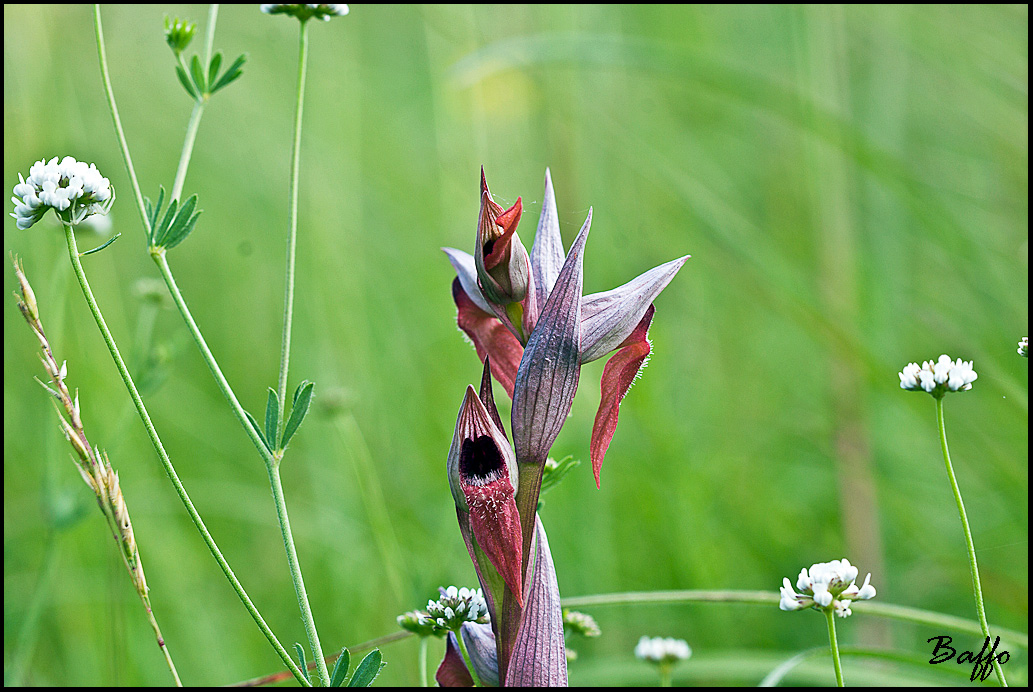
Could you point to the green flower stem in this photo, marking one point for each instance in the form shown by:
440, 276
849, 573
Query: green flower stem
834, 646
423, 662
665, 674
466, 658
73, 253
272, 461
119, 132
195, 115
977, 591
292, 233
295, 567
161, 640
770, 598
159, 257
188, 148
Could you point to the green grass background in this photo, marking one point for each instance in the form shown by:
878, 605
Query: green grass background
851, 183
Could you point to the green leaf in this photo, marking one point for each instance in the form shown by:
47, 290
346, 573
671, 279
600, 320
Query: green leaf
161, 230
340, 674
213, 67
98, 249
175, 239
185, 81
302, 399
367, 671
152, 212
183, 224
254, 424
198, 74
272, 412
230, 74
301, 660
554, 474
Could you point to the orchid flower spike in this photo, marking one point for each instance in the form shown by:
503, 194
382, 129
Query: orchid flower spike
528, 315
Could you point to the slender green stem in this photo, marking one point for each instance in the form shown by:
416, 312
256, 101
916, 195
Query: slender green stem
466, 659
73, 253
159, 257
109, 92
423, 662
292, 232
769, 598
161, 640
295, 567
209, 34
188, 149
834, 646
665, 674
977, 591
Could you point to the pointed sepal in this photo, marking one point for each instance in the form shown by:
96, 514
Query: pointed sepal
547, 251
503, 266
608, 318
548, 375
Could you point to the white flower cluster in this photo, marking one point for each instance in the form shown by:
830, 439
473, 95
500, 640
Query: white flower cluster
825, 585
324, 12
662, 650
457, 606
938, 378
1023, 349
72, 188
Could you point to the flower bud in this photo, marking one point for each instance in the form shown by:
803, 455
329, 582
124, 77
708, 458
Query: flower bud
503, 265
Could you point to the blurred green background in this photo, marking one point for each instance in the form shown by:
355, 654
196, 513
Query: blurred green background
852, 186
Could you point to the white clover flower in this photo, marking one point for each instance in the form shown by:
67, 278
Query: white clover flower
457, 606
826, 585
1023, 349
73, 189
938, 378
662, 650
304, 12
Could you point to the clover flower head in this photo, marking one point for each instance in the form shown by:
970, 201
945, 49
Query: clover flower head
305, 12
580, 623
73, 189
662, 650
457, 606
419, 623
1024, 347
938, 378
826, 585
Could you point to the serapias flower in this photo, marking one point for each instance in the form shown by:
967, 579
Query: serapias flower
1023, 349
539, 329
457, 606
938, 378
306, 12
662, 650
73, 189
827, 585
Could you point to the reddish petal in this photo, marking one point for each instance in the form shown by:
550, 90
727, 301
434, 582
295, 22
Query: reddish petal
619, 373
452, 672
490, 337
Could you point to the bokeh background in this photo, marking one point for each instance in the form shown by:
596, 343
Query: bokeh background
851, 183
